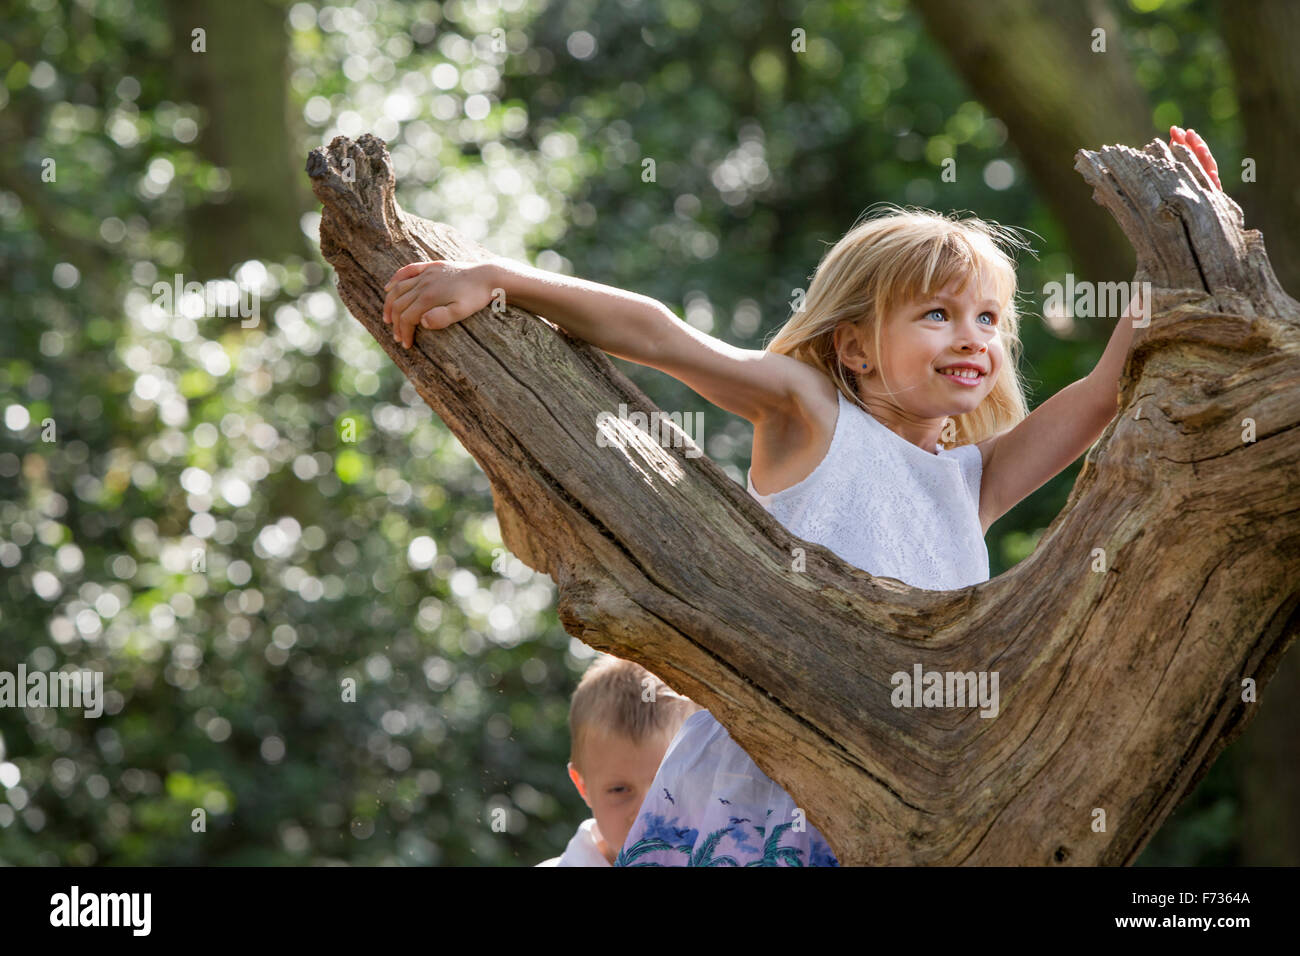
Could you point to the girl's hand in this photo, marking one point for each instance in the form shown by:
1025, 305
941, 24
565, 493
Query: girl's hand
1200, 149
434, 295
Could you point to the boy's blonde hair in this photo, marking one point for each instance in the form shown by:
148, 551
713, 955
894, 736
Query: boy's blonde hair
608, 700
895, 257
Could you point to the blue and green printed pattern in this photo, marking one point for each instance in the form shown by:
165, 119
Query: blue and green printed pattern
663, 842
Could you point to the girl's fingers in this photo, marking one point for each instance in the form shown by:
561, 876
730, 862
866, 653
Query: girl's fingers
402, 294
1202, 150
413, 313
403, 286
402, 309
399, 318
402, 301
403, 273
402, 327
1202, 154
390, 297
395, 290
1192, 140
408, 271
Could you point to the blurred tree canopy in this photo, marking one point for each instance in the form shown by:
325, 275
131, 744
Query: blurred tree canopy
230, 516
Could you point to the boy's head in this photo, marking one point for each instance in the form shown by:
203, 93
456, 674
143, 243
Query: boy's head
881, 279
621, 721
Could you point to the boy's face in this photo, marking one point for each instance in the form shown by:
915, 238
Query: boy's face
923, 336
619, 775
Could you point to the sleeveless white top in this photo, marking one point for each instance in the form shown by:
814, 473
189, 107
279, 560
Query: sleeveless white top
882, 505
888, 507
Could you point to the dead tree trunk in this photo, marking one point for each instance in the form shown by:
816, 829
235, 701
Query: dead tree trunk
1122, 644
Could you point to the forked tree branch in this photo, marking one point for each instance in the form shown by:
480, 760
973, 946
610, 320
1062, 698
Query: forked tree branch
1121, 643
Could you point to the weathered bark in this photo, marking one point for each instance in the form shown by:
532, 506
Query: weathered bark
1118, 687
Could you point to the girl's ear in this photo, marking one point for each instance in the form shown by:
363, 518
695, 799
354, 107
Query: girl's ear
847, 340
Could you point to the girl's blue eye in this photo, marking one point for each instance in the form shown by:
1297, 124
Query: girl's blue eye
941, 312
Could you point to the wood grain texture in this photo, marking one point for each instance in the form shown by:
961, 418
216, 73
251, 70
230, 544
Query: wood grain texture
1118, 688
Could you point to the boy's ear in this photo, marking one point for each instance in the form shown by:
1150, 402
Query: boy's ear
577, 782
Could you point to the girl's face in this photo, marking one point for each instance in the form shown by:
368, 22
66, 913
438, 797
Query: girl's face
922, 338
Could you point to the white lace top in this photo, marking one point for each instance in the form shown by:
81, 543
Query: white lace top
884, 505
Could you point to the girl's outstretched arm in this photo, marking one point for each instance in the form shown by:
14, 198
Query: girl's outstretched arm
1022, 459
756, 385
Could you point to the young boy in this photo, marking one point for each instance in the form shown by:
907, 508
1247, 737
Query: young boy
621, 721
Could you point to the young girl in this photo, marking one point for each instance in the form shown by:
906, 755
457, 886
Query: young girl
889, 427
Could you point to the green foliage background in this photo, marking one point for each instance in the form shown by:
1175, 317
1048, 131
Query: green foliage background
180, 437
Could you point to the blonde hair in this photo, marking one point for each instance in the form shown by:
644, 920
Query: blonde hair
608, 700
896, 257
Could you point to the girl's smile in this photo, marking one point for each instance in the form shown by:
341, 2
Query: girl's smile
963, 375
